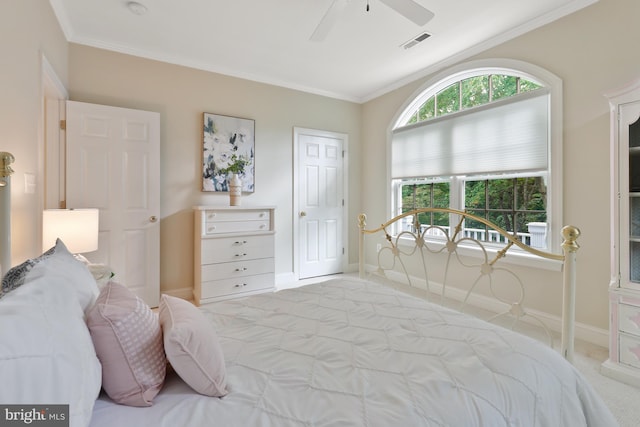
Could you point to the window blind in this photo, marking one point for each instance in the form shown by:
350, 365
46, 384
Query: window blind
510, 136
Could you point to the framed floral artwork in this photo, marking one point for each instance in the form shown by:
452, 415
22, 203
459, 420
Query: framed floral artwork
228, 148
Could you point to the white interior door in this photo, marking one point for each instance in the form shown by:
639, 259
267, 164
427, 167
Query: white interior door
113, 163
320, 202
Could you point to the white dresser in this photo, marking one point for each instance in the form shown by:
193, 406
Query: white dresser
233, 252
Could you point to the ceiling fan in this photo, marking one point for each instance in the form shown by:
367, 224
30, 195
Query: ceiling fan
407, 8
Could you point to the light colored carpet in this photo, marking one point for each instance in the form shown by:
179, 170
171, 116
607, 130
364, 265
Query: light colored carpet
623, 400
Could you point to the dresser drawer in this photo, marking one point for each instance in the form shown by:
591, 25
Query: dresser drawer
228, 270
218, 227
236, 221
630, 350
229, 249
237, 215
629, 319
220, 288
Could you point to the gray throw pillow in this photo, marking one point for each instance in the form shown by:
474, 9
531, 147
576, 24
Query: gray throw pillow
15, 276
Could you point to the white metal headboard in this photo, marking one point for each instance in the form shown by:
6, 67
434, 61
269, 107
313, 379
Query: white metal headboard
450, 248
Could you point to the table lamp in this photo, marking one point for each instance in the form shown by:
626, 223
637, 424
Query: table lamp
77, 228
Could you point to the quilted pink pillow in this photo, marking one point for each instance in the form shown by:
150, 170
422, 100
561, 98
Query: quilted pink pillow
128, 341
192, 346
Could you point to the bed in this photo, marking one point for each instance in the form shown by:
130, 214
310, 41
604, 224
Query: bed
349, 351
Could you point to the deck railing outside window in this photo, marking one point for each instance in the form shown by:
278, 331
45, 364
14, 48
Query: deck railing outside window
535, 237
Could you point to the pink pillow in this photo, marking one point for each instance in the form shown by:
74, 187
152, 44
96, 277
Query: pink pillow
128, 341
192, 346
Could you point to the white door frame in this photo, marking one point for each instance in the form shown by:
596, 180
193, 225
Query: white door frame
296, 202
51, 148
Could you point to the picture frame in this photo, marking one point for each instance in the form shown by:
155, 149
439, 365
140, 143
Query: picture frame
228, 147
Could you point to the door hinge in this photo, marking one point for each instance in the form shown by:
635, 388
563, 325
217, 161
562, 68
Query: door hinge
63, 125
342, 202
343, 154
342, 251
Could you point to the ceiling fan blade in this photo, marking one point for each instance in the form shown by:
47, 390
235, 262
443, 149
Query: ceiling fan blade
328, 20
410, 10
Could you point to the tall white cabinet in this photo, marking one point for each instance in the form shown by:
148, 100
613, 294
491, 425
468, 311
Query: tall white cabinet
234, 252
624, 291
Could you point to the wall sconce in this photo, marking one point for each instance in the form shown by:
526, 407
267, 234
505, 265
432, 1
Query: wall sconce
77, 228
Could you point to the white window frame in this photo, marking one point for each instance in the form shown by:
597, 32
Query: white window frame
498, 66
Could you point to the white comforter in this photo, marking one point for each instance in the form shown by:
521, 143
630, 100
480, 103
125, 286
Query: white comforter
355, 353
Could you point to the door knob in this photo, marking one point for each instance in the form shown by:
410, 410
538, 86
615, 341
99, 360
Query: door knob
303, 213
153, 218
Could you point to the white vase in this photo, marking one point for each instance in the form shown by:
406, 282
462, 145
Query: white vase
235, 189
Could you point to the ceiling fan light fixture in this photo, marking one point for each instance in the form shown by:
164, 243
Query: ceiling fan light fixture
410, 9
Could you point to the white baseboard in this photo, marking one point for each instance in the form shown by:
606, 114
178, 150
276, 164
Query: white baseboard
184, 293
583, 332
352, 268
621, 373
290, 280
286, 280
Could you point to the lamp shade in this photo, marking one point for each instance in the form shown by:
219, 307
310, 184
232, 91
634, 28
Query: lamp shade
77, 228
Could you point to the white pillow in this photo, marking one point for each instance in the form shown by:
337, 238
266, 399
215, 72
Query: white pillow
192, 346
62, 269
46, 352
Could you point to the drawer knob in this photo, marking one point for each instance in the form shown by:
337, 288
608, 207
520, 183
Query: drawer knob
239, 242
239, 285
240, 255
241, 269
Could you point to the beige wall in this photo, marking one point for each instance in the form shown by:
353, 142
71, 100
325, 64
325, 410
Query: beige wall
28, 30
592, 51
181, 95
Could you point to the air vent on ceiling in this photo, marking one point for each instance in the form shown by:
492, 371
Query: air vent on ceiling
414, 41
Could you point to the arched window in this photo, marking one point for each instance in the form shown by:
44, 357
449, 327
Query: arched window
484, 137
